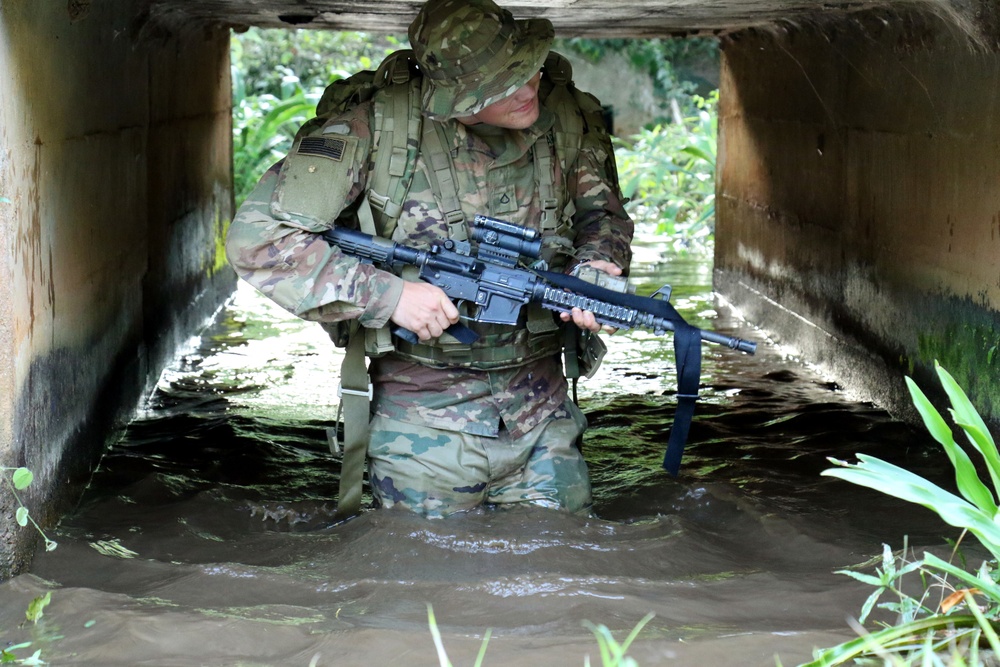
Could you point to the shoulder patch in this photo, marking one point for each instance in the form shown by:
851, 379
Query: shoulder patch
314, 181
331, 148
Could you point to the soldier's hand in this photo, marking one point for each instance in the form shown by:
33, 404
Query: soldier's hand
425, 310
584, 318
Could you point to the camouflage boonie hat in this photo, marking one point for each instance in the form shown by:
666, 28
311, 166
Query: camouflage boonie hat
473, 53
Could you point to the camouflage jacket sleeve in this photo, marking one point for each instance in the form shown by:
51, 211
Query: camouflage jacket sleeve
603, 228
285, 257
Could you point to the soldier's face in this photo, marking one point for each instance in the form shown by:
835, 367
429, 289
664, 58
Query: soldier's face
516, 112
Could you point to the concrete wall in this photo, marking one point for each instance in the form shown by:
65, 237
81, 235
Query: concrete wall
859, 201
115, 174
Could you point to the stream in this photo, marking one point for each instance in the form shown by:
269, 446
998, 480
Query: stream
207, 537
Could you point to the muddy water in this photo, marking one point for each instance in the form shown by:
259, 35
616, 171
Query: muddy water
207, 538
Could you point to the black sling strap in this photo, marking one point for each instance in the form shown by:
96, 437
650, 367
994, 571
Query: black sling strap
687, 355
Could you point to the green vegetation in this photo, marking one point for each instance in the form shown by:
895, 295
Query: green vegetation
668, 174
19, 480
671, 64
963, 623
8, 656
613, 654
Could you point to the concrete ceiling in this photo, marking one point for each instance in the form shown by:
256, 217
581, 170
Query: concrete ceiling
572, 18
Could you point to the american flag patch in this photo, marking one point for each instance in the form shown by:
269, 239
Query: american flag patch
328, 147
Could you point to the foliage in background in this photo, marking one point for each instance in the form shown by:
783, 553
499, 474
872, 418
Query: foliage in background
668, 174
672, 64
957, 629
314, 58
263, 128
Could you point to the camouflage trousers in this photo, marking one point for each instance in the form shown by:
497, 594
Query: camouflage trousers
436, 473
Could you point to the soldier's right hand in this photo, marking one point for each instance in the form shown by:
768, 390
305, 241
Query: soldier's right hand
425, 310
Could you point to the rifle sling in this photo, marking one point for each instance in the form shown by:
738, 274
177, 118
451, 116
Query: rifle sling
687, 354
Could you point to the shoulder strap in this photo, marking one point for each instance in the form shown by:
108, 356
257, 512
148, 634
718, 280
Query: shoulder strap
398, 121
355, 403
558, 97
396, 88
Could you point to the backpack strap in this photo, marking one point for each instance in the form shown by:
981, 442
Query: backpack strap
443, 181
398, 120
544, 180
559, 98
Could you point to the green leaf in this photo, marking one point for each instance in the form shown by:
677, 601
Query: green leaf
869, 604
845, 653
36, 607
35, 660
901, 483
933, 420
7, 655
22, 478
985, 585
862, 577
21, 516
972, 423
984, 443
4, 200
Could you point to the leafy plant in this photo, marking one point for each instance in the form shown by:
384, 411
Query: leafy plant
668, 173
19, 480
977, 507
9, 657
886, 580
613, 653
925, 634
36, 608
439, 643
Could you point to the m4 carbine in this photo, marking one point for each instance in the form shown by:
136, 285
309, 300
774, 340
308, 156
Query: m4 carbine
493, 282
498, 287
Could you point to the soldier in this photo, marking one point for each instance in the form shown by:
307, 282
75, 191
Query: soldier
453, 426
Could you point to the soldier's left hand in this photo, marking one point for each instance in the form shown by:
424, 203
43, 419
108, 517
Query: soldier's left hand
584, 318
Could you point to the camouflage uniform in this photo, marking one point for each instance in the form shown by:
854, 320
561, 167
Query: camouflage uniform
449, 433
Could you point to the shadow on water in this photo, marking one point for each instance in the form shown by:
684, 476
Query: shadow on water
207, 534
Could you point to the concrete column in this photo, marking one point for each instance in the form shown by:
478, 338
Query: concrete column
115, 169
859, 200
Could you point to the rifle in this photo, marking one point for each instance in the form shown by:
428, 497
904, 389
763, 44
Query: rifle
497, 287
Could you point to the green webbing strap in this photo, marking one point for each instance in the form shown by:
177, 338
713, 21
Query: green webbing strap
355, 403
442, 177
544, 177
397, 119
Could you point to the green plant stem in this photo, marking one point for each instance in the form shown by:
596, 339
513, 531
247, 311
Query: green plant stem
839, 655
